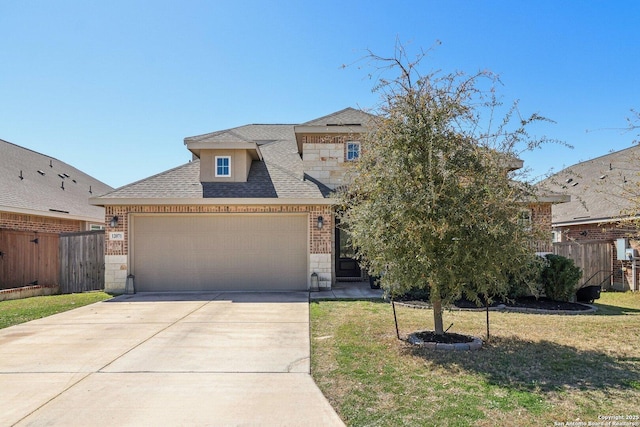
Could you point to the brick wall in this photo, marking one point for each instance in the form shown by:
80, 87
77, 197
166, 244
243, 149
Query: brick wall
541, 220
320, 241
42, 224
608, 232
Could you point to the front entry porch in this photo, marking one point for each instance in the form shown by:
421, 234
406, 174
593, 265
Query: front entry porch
348, 290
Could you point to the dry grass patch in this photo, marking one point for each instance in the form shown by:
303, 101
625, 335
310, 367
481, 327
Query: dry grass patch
536, 369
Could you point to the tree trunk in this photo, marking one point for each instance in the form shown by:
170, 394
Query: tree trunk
436, 302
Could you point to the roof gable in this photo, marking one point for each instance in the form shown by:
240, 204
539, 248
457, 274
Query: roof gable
279, 174
346, 117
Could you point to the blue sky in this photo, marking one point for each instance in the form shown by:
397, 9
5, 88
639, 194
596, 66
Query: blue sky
113, 87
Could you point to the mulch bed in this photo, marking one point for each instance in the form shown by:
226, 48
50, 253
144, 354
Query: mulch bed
525, 302
447, 338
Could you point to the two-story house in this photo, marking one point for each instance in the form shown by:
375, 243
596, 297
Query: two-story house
251, 211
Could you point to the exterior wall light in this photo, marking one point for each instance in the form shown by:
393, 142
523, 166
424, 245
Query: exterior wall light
320, 222
114, 221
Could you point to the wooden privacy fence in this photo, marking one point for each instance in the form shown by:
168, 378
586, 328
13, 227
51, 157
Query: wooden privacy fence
81, 261
593, 257
28, 258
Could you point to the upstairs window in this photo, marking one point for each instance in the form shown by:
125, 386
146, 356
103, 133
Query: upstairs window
353, 151
524, 219
223, 166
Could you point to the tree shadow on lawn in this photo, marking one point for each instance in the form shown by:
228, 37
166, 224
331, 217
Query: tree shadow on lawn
543, 366
613, 310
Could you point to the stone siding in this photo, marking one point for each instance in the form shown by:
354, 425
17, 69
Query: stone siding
322, 264
324, 158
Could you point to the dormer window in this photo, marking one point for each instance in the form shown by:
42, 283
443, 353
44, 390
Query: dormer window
223, 166
353, 150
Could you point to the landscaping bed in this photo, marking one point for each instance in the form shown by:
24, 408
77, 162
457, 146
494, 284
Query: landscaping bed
524, 302
528, 303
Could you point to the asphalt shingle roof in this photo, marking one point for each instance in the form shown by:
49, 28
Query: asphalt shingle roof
348, 116
279, 175
180, 182
599, 188
44, 192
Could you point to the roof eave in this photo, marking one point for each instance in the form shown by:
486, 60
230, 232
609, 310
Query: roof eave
197, 146
554, 198
514, 164
50, 214
585, 221
97, 201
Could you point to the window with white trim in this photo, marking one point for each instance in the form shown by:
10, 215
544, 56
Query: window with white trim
353, 150
223, 166
524, 219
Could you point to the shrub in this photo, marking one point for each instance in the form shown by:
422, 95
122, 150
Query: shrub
560, 277
417, 294
527, 281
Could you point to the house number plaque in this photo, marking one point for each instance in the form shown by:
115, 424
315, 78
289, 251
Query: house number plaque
116, 235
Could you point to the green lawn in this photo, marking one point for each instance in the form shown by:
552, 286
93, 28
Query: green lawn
22, 310
536, 369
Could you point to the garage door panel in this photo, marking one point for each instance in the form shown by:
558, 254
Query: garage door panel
220, 252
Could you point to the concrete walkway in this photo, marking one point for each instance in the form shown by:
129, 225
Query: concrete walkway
348, 291
165, 359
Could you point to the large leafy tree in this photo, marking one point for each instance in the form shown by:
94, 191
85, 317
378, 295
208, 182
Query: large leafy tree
433, 203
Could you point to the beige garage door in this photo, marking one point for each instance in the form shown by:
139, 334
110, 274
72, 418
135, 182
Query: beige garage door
219, 252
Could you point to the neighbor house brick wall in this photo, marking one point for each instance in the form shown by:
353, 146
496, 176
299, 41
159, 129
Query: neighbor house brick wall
43, 224
605, 231
116, 252
609, 232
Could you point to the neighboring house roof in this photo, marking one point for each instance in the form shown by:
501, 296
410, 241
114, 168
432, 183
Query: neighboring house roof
599, 188
279, 176
48, 187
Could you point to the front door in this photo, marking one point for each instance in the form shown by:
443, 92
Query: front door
346, 264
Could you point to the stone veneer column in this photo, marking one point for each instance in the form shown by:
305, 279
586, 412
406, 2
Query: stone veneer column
321, 246
116, 252
115, 273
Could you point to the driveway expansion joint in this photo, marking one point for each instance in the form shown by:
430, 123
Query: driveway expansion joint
153, 335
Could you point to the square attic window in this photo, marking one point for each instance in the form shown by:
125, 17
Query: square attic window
353, 150
223, 166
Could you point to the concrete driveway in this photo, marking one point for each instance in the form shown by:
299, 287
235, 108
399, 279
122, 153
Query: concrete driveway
165, 359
